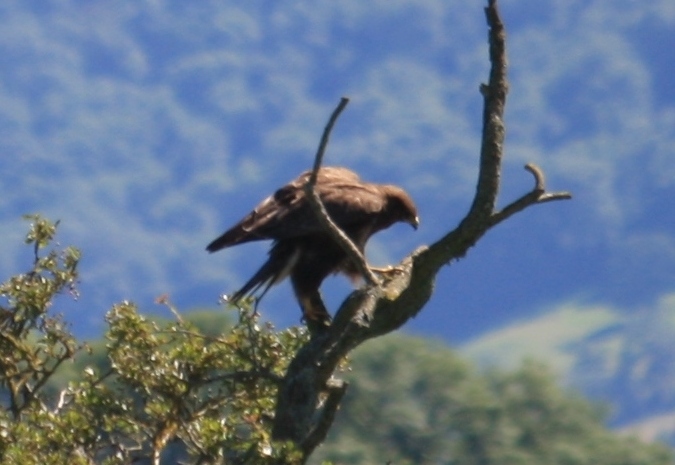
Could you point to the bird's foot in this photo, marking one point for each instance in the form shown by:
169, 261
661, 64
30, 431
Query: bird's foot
389, 271
321, 318
315, 315
317, 324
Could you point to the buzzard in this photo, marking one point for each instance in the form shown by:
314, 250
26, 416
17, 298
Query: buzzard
301, 248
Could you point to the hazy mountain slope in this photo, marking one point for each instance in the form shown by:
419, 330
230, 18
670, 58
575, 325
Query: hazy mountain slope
620, 356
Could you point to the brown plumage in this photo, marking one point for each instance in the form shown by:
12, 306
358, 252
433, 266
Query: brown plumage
301, 248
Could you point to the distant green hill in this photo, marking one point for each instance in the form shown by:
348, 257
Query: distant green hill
412, 401
624, 358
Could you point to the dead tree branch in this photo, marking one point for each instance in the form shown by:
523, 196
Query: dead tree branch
309, 395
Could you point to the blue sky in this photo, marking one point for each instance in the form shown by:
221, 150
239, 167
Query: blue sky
149, 127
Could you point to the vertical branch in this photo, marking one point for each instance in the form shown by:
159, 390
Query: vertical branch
494, 95
479, 218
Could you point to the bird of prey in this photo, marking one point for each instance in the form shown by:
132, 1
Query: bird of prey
301, 247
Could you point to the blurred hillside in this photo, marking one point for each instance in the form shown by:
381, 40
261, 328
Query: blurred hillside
622, 358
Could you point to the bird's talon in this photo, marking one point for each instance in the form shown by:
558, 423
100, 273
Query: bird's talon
320, 318
387, 270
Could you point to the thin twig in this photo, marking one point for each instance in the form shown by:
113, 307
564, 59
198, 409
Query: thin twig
539, 182
318, 159
319, 209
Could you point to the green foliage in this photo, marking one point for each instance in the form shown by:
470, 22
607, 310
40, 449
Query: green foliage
166, 390
33, 343
213, 394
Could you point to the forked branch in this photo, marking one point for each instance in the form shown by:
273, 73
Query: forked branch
537, 195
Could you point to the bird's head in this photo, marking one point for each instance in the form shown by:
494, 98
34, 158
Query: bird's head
402, 207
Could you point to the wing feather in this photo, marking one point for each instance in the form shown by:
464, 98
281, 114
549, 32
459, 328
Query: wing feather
287, 213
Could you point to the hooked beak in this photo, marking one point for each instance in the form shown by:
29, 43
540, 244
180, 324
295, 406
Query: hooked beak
415, 222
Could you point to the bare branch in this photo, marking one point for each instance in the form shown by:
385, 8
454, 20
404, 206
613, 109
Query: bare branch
336, 391
537, 195
320, 211
318, 159
475, 224
539, 182
300, 415
494, 97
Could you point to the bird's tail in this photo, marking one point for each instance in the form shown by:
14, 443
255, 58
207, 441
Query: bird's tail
280, 263
265, 276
